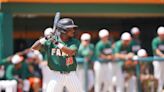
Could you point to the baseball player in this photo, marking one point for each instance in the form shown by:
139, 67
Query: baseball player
19, 71
33, 60
85, 52
102, 66
123, 52
158, 50
7, 85
61, 51
135, 31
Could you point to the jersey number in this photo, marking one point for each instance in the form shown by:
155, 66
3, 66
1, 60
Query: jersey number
69, 61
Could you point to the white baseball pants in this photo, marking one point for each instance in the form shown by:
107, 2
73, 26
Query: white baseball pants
59, 81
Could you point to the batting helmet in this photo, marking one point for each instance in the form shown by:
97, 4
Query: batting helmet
65, 24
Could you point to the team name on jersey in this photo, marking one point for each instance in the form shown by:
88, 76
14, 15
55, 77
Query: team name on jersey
136, 48
58, 52
107, 51
161, 47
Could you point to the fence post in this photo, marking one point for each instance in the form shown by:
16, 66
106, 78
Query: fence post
86, 75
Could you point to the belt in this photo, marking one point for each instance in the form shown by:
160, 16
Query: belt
65, 72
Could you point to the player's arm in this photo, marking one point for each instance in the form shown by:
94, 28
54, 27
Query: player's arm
117, 54
124, 56
159, 53
156, 50
120, 56
99, 53
38, 44
70, 52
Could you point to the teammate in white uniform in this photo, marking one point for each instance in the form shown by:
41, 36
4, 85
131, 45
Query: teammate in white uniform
158, 50
103, 66
85, 54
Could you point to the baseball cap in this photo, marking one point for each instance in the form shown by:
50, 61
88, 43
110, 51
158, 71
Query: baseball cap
160, 30
85, 36
135, 30
103, 33
17, 59
126, 36
142, 53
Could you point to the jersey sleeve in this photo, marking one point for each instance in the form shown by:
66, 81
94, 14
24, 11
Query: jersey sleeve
93, 51
98, 50
117, 47
9, 73
4, 61
154, 44
75, 45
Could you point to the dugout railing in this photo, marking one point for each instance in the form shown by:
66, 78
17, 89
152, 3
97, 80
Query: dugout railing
136, 58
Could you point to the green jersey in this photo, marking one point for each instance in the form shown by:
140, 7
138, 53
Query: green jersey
4, 62
157, 44
136, 45
103, 48
3, 65
119, 48
13, 74
85, 52
58, 60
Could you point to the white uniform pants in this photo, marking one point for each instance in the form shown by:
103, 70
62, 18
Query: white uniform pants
109, 74
132, 84
47, 76
81, 76
159, 74
59, 81
8, 85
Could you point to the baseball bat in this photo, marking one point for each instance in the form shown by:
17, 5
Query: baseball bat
56, 19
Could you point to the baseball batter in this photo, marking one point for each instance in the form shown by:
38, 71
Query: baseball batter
158, 50
61, 52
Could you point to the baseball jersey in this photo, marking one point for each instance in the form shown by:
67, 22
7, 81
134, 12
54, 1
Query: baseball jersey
119, 48
3, 65
4, 62
157, 44
13, 74
58, 60
103, 48
85, 52
136, 45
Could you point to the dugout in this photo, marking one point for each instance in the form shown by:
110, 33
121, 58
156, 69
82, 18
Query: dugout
23, 21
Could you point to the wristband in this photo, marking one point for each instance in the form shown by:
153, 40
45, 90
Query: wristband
42, 40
